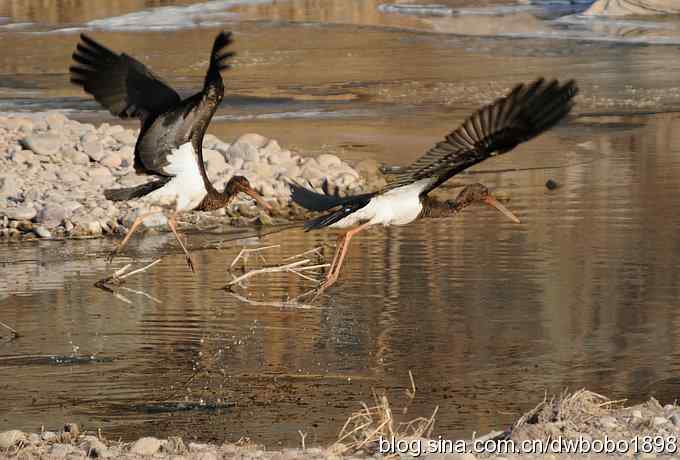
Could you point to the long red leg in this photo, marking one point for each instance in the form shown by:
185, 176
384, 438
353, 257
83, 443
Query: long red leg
133, 228
172, 223
339, 258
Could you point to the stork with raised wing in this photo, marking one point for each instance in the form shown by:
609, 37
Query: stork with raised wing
170, 143
526, 112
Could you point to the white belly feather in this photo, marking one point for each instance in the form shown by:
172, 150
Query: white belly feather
398, 206
186, 190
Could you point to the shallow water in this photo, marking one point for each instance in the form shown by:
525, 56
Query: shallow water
485, 313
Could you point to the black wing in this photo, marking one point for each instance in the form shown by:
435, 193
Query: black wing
497, 128
125, 86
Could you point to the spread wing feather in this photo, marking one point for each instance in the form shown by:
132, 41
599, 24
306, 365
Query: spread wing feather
123, 85
526, 112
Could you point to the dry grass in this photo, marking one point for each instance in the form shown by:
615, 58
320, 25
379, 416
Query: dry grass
364, 428
573, 408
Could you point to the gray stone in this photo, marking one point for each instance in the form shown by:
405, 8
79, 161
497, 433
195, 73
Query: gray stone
111, 130
256, 140
658, 421
637, 413
236, 163
125, 137
215, 162
675, 419
42, 144
75, 157
55, 120
328, 161
68, 176
9, 186
11, 438
243, 150
111, 160
608, 422
94, 447
52, 215
146, 446
23, 212
25, 157
94, 150
42, 232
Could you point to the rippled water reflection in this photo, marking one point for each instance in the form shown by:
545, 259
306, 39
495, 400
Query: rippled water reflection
486, 314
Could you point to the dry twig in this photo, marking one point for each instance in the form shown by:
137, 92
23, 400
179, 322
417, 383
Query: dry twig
13, 331
110, 283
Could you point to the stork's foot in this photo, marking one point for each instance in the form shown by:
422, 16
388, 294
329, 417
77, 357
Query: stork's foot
112, 255
191, 264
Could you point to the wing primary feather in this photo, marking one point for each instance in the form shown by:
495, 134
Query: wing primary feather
524, 113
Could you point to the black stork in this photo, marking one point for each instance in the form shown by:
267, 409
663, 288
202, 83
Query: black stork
170, 143
526, 112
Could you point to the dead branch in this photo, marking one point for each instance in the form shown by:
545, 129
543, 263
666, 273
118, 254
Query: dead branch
245, 252
110, 283
13, 331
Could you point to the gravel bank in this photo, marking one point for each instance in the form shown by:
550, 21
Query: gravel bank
583, 417
53, 172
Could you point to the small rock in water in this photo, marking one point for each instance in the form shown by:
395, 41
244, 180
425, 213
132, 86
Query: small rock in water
146, 446
42, 144
42, 232
551, 184
11, 438
51, 215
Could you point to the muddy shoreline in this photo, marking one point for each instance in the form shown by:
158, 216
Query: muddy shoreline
574, 425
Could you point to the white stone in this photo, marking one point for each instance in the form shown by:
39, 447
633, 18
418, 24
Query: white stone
42, 144
146, 446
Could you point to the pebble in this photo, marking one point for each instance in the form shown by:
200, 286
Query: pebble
76, 157
42, 232
60, 168
146, 446
23, 212
94, 149
42, 144
11, 438
675, 419
9, 186
608, 422
94, 447
658, 421
551, 184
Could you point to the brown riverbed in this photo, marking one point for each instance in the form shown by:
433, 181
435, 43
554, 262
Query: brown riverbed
583, 293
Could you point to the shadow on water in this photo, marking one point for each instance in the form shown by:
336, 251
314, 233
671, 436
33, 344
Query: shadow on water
486, 314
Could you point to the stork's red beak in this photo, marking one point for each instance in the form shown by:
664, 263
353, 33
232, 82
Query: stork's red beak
491, 201
257, 197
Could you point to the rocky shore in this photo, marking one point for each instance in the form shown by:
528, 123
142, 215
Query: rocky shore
593, 425
53, 171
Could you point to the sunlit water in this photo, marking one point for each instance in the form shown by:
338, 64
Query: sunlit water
486, 314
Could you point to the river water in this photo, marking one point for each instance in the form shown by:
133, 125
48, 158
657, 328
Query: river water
486, 314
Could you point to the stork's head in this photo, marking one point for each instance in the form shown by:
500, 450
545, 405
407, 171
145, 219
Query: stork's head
478, 193
239, 184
